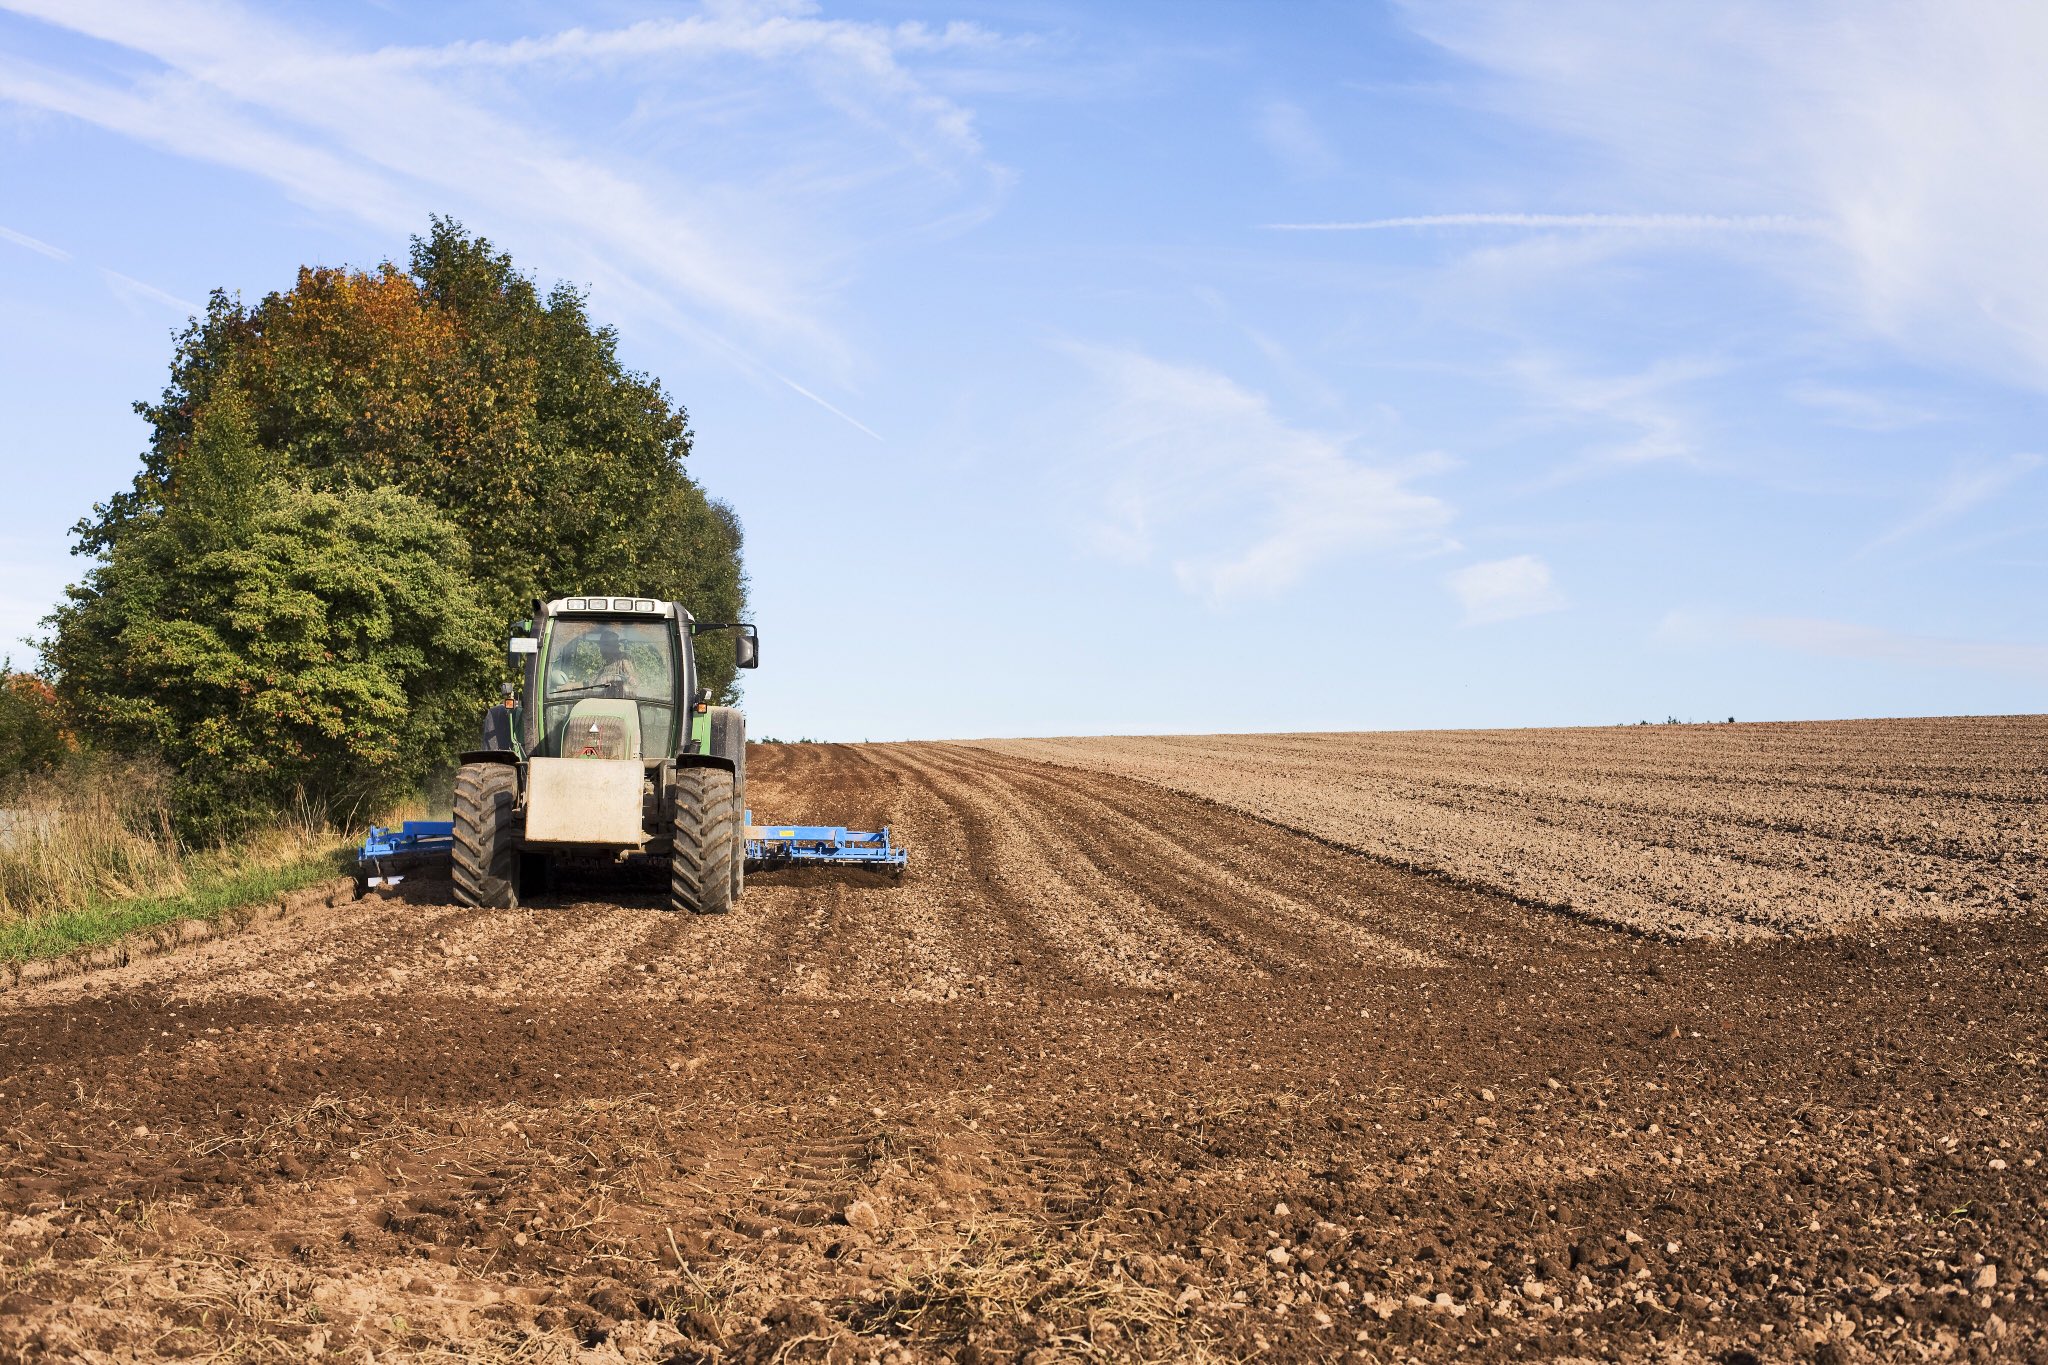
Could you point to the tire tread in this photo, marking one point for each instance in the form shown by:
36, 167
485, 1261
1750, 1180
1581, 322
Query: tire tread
485, 854
704, 840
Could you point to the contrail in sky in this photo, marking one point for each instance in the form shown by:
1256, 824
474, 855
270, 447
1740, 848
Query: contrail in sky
128, 286
842, 416
1638, 222
35, 244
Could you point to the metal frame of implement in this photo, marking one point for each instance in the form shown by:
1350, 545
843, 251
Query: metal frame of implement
417, 843
388, 854
822, 845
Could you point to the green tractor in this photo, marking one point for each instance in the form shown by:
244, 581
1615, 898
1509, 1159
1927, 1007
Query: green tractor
609, 754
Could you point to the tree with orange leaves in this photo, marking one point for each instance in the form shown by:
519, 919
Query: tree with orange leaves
458, 382
32, 734
349, 489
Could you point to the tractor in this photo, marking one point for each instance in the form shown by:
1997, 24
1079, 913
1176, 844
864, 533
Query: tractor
609, 753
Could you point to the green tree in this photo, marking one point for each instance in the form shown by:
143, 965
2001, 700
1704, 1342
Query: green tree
277, 643
459, 382
349, 489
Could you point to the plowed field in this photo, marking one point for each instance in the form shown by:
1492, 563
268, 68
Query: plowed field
1115, 1071
1682, 831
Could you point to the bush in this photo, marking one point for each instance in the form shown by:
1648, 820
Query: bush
33, 739
277, 646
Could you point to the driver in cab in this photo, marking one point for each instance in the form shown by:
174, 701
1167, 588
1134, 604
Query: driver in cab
613, 668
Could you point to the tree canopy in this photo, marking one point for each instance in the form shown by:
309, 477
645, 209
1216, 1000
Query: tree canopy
493, 432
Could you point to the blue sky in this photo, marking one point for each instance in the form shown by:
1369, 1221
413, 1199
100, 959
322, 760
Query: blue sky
1164, 367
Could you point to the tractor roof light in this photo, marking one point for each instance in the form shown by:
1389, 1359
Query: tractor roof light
638, 606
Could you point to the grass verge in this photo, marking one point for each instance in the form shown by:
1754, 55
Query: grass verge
207, 895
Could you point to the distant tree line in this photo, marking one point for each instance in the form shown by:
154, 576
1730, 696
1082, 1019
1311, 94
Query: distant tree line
350, 488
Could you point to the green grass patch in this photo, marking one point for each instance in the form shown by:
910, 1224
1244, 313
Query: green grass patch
207, 896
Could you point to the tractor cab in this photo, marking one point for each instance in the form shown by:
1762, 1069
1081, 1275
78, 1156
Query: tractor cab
611, 678
612, 686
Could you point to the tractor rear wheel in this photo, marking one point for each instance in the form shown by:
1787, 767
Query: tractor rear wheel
488, 828
729, 740
703, 841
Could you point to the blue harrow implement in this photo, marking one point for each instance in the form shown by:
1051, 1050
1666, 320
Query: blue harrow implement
388, 854
424, 845
821, 846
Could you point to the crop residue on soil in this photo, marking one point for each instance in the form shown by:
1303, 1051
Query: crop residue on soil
1683, 831
1115, 1070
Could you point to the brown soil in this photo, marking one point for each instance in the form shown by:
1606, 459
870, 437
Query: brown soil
1114, 1071
1682, 831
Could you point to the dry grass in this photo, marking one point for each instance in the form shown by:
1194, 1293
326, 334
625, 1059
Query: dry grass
1003, 1272
89, 832
99, 831
89, 852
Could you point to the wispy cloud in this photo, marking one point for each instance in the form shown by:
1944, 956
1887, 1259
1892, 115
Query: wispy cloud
1638, 414
1847, 640
1963, 491
1189, 465
739, 225
761, 29
859, 66
1294, 137
1861, 409
1911, 131
1505, 590
35, 244
1621, 222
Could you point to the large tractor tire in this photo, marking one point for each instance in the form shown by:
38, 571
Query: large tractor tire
729, 740
704, 841
488, 827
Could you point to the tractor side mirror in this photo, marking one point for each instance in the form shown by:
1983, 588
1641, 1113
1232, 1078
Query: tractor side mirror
746, 648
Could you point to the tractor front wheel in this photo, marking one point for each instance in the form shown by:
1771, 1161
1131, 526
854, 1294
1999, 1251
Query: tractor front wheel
488, 827
704, 841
